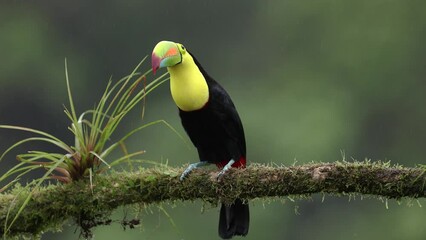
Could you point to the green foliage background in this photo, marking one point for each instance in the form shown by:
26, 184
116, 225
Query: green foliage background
309, 78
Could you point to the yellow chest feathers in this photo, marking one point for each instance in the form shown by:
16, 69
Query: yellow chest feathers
188, 85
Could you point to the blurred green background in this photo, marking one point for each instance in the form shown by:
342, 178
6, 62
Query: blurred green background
310, 79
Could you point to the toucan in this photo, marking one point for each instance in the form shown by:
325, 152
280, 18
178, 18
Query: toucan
211, 121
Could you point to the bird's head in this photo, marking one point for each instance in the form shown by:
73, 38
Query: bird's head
167, 54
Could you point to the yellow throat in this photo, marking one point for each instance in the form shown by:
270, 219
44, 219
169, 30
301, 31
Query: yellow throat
188, 85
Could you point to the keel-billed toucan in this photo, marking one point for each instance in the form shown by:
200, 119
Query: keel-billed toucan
210, 119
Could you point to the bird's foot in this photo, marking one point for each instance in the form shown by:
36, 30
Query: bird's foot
225, 169
191, 167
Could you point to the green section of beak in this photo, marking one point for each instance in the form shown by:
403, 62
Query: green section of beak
165, 54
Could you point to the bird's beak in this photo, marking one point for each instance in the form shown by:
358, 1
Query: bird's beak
165, 54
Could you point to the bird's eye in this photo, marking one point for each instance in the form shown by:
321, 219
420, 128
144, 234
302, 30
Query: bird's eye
182, 49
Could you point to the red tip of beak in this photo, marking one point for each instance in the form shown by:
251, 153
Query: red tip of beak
155, 63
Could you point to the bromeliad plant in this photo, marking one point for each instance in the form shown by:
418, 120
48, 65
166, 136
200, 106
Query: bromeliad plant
92, 130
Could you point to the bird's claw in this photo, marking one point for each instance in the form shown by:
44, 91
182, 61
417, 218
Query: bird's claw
191, 167
187, 171
225, 169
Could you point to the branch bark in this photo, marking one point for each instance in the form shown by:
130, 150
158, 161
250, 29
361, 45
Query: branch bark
89, 205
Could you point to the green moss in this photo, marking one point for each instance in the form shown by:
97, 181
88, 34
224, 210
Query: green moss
91, 205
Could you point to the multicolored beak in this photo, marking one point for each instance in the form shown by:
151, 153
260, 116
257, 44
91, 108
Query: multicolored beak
165, 54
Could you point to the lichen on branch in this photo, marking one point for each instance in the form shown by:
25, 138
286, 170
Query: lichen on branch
81, 201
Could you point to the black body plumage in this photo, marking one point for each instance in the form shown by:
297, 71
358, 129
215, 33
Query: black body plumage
217, 133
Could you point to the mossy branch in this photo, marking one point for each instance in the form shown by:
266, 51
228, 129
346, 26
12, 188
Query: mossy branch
50, 206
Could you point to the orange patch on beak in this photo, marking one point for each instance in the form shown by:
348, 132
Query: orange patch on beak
170, 52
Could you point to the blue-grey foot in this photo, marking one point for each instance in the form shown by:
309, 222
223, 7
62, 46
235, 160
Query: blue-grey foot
225, 168
191, 167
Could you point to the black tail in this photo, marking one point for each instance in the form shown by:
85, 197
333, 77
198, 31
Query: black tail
234, 220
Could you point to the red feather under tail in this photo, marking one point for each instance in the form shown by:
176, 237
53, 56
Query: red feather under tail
241, 163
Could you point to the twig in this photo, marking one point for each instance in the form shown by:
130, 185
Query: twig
51, 206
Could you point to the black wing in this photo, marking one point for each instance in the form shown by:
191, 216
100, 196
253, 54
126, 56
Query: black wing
227, 116
216, 129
